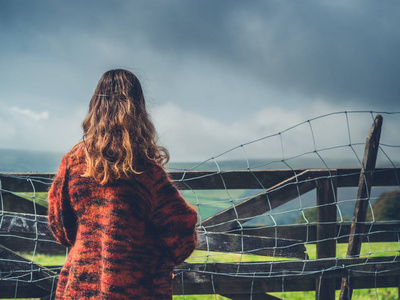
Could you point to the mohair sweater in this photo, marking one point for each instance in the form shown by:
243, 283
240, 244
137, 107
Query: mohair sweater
124, 238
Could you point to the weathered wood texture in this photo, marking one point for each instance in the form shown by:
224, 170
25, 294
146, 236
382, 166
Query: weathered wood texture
11, 289
17, 227
237, 243
25, 225
19, 231
328, 267
265, 277
238, 179
307, 233
287, 276
234, 285
326, 218
265, 201
27, 232
12, 202
363, 194
26, 182
250, 296
326, 232
14, 265
211, 180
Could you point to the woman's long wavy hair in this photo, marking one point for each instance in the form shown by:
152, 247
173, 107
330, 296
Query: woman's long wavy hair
118, 135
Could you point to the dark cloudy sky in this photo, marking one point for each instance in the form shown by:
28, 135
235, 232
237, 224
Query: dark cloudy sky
215, 73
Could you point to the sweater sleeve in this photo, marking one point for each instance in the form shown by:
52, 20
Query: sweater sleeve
62, 218
174, 219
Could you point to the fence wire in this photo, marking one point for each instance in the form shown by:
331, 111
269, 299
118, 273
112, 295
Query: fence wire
247, 235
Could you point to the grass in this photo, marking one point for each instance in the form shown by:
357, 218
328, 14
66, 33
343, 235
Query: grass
38, 197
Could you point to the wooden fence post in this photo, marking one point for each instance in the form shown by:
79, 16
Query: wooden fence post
361, 206
326, 232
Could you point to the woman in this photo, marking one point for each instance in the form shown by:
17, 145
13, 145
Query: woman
114, 206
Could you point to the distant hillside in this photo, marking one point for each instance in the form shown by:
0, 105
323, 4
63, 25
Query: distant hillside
12, 160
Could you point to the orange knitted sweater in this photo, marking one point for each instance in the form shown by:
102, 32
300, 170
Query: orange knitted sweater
124, 238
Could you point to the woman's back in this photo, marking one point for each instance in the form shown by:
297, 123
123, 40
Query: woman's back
125, 236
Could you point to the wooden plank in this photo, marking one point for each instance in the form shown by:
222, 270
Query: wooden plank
272, 285
12, 202
19, 231
25, 270
238, 179
235, 285
382, 177
222, 242
19, 244
192, 285
245, 179
27, 226
330, 267
326, 218
378, 233
225, 278
198, 180
23, 182
361, 206
12, 289
212, 180
307, 233
24, 225
231, 278
196, 282
326, 232
202, 284
279, 194
250, 296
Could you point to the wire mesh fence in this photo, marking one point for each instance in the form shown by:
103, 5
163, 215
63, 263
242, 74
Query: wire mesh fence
277, 214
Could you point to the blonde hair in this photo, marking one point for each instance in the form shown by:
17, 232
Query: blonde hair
118, 134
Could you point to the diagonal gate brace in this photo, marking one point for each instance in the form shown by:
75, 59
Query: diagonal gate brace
267, 200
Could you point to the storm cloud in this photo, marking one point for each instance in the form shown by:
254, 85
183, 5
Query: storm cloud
221, 62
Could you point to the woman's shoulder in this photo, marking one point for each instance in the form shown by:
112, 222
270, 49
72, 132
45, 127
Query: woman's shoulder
74, 156
77, 150
151, 172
